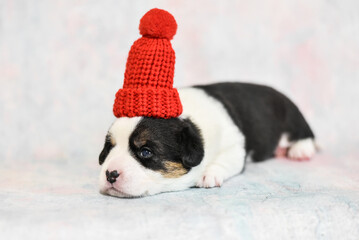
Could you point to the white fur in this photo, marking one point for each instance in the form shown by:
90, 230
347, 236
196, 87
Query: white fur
284, 141
302, 149
223, 147
223, 142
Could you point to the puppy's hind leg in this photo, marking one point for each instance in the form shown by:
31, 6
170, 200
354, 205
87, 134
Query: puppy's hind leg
303, 149
300, 150
301, 136
227, 164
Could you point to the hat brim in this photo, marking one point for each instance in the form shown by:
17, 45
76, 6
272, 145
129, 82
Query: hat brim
147, 102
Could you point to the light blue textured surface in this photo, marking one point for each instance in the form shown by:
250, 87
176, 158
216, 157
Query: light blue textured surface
277, 198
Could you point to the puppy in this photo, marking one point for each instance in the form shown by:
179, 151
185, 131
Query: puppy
221, 125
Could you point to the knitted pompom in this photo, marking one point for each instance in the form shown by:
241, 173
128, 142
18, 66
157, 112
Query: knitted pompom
158, 23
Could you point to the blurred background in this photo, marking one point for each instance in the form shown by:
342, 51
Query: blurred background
61, 63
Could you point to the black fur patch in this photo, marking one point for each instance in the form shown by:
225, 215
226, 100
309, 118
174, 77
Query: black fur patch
106, 149
262, 114
169, 140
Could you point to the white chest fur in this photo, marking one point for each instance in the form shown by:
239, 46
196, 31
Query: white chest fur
223, 141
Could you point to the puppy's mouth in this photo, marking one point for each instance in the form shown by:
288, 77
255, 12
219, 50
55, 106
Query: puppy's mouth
112, 191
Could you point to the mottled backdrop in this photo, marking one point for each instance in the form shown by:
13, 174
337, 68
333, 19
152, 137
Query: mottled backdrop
61, 63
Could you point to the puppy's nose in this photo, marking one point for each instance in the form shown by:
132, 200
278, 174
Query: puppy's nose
111, 176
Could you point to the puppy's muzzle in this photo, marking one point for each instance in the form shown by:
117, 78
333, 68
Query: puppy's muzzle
111, 176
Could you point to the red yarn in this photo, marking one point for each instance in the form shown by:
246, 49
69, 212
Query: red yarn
148, 84
158, 23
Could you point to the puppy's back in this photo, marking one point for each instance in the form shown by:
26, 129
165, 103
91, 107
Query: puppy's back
261, 113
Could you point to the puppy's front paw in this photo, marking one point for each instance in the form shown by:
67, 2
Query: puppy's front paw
210, 180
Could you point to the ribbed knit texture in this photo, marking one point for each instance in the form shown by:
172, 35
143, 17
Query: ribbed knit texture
148, 84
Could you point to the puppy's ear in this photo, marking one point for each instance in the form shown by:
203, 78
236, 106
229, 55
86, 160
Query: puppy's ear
106, 150
191, 143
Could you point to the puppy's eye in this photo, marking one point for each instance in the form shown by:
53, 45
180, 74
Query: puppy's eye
145, 153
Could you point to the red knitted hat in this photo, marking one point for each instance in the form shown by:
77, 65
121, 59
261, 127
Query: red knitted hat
148, 84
